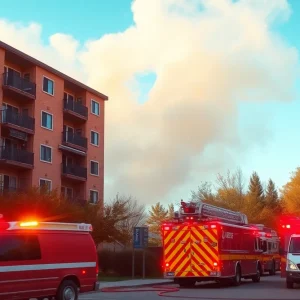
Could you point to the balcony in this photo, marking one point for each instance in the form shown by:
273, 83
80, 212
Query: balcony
17, 121
16, 157
74, 140
74, 172
14, 82
75, 109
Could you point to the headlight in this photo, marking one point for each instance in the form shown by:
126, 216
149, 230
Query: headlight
291, 266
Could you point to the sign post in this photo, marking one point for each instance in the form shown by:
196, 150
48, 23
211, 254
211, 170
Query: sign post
140, 241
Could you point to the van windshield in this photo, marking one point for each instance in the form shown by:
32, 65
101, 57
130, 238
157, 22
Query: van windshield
295, 245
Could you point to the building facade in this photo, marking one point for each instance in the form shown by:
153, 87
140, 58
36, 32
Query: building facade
52, 129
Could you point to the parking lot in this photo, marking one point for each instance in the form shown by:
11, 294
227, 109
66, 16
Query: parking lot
270, 287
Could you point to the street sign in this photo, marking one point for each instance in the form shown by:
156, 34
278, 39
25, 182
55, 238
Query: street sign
140, 237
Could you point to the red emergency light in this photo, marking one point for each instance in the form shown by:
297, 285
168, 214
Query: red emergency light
4, 225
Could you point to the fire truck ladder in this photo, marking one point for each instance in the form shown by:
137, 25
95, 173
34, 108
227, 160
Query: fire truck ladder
206, 212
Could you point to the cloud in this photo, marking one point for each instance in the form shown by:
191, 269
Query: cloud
207, 57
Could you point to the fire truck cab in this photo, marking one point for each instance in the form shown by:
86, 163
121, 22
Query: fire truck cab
208, 243
46, 259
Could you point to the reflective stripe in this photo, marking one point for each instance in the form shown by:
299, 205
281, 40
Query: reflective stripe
39, 267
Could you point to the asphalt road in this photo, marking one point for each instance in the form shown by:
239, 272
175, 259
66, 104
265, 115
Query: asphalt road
270, 287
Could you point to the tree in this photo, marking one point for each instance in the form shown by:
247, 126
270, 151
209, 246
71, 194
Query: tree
291, 194
135, 215
230, 190
204, 193
157, 215
256, 190
118, 219
171, 211
271, 198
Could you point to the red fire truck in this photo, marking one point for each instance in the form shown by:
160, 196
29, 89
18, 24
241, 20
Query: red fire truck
205, 243
269, 245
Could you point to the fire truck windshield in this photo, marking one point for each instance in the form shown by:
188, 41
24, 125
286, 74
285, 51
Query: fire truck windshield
294, 245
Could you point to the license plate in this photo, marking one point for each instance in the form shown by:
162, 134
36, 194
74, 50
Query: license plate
170, 274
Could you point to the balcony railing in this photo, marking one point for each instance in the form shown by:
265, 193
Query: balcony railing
14, 80
16, 155
76, 107
74, 170
11, 117
75, 139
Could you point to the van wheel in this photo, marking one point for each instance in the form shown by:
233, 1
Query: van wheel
68, 290
289, 284
238, 276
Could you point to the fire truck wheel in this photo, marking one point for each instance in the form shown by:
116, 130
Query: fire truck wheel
68, 290
290, 284
238, 276
256, 278
273, 269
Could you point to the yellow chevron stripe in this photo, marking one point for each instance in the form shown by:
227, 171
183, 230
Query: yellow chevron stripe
178, 252
205, 256
179, 269
168, 235
180, 236
173, 233
206, 232
202, 272
205, 246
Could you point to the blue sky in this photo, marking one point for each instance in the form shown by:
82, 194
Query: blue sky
92, 19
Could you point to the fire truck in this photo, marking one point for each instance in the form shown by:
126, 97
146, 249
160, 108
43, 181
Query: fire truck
289, 231
207, 243
268, 243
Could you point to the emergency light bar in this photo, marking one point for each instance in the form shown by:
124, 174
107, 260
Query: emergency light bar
34, 225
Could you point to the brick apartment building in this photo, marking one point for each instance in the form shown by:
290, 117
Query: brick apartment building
52, 129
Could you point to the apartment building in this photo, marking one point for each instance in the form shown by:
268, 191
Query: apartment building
52, 129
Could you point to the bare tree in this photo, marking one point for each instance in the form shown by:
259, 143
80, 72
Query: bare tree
204, 193
135, 215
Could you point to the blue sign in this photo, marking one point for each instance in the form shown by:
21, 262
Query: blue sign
140, 237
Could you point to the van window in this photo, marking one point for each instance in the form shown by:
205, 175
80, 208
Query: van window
19, 247
295, 245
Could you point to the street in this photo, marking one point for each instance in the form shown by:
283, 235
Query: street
270, 287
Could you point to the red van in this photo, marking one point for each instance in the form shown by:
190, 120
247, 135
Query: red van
45, 259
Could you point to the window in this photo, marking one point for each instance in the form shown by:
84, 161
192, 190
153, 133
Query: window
47, 120
48, 86
94, 138
67, 192
46, 185
95, 108
46, 153
19, 247
93, 196
8, 183
68, 97
94, 168
11, 71
294, 245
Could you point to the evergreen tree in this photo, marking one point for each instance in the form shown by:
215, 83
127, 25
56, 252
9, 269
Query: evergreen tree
171, 211
256, 191
271, 198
